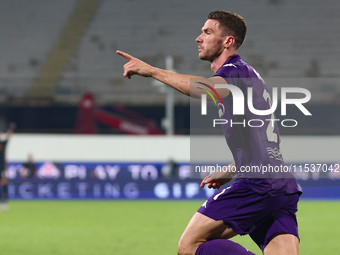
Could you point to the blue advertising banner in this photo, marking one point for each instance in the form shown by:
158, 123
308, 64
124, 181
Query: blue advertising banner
108, 180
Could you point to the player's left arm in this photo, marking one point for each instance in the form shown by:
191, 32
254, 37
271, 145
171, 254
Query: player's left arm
190, 85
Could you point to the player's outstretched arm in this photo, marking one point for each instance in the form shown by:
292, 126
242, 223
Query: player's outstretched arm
186, 84
135, 66
217, 179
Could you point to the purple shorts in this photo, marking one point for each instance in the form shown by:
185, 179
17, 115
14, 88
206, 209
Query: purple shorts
247, 212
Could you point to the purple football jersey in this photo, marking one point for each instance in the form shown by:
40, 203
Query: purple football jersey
252, 138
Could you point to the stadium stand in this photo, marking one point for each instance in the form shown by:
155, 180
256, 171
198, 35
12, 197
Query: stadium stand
67, 42
285, 39
29, 31
57, 51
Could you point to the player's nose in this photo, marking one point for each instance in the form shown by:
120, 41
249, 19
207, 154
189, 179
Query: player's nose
199, 39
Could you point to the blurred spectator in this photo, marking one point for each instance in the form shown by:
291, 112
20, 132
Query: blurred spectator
170, 170
28, 169
3, 177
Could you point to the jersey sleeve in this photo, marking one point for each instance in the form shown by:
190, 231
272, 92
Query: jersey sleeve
231, 73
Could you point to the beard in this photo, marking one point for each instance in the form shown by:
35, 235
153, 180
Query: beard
213, 51
208, 56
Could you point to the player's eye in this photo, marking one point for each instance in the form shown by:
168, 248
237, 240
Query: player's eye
207, 32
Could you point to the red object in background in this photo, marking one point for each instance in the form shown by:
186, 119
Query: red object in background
86, 123
127, 122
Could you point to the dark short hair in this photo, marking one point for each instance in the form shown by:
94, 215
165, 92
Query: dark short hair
231, 24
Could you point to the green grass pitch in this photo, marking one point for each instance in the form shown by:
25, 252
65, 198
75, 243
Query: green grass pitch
136, 227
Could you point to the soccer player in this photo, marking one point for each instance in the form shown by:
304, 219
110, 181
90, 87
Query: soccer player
3, 178
262, 206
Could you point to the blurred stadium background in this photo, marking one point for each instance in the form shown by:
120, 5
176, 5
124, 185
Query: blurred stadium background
61, 82
53, 52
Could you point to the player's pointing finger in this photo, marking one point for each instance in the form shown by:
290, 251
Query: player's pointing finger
125, 55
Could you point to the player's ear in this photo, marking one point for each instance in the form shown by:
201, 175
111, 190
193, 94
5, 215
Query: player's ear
229, 41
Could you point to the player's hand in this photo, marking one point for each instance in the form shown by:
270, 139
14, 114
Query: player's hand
134, 66
216, 179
